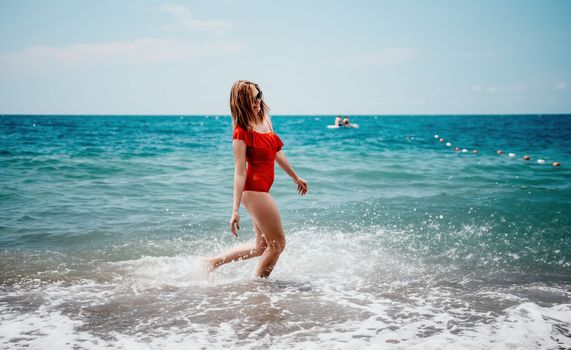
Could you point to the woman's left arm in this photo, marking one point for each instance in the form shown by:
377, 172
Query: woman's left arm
286, 166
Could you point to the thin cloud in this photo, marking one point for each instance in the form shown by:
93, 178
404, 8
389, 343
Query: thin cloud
482, 54
186, 21
493, 89
144, 50
386, 57
562, 85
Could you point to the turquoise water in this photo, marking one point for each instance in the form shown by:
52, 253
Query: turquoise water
401, 241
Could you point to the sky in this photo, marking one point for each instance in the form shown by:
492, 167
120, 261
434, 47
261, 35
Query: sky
309, 57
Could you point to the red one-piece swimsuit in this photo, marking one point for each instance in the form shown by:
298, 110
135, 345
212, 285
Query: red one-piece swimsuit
261, 149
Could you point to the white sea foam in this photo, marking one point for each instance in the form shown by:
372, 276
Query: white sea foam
150, 272
44, 329
330, 290
525, 326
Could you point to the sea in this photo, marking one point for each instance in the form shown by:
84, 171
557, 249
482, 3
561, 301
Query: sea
403, 241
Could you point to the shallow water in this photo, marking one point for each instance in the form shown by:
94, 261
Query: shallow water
401, 243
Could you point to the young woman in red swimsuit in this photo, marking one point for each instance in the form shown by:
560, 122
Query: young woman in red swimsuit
256, 147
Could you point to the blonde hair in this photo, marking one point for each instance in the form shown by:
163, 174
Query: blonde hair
241, 101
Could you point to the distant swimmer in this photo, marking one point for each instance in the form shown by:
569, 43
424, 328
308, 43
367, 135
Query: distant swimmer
342, 123
338, 121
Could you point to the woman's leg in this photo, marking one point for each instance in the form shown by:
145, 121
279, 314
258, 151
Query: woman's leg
265, 213
242, 252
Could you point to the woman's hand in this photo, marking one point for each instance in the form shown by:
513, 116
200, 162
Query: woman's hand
235, 224
301, 186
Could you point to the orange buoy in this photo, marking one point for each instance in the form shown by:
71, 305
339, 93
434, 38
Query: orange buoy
526, 157
457, 149
556, 164
475, 151
500, 152
441, 140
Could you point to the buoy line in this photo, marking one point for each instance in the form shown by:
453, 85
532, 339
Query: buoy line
498, 152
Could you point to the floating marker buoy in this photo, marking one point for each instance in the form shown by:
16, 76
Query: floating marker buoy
499, 152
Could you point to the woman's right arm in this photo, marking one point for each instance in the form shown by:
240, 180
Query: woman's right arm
239, 181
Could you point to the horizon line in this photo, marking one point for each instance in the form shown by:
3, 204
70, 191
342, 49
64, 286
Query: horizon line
284, 115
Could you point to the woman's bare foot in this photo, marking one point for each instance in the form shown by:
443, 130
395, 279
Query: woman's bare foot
208, 264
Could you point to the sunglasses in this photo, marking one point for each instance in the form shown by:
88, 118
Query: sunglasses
260, 95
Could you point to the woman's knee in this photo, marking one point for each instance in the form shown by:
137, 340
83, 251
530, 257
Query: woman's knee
276, 244
260, 248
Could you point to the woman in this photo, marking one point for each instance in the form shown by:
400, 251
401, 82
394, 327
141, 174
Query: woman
256, 145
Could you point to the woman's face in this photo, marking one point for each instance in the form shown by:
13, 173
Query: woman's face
256, 106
